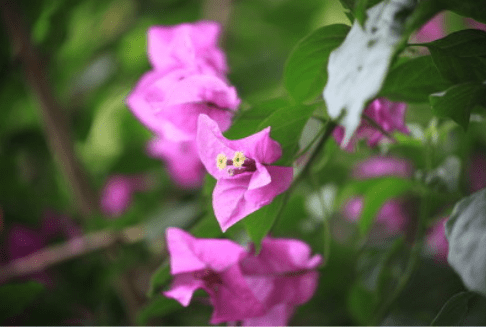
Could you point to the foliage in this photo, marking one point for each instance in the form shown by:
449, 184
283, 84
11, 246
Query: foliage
303, 68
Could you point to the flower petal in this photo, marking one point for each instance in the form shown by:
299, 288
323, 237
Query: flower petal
279, 315
182, 160
281, 179
260, 177
210, 143
183, 287
379, 166
188, 46
190, 254
203, 88
229, 203
233, 299
233, 200
200, 94
258, 146
146, 103
295, 290
280, 256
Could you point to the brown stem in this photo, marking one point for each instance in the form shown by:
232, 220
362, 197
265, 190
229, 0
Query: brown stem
374, 124
73, 248
219, 11
53, 117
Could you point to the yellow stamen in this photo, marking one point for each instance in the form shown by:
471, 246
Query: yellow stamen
238, 159
221, 161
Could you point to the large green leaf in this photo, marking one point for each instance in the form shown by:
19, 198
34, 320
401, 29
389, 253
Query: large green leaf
458, 101
259, 223
360, 8
469, 8
14, 298
377, 193
413, 81
247, 121
466, 233
286, 127
454, 311
461, 56
160, 278
159, 306
306, 68
358, 68
362, 303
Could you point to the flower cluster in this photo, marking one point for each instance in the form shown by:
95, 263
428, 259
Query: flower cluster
393, 217
22, 241
188, 79
247, 181
389, 116
261, 289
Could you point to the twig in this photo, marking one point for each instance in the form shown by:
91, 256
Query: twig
219, 11
54, 120
377, 126
73, 248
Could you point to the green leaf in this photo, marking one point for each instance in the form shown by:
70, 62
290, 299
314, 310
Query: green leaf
358, 68
362, 303
259, 223
286, 127
461, 56
207, 227
347, 4
14, 298
360, 11
360, 8
380, 191
454, 311
248, 121
306, 68
469, 8
458, 101
160, 278
160, 306
413, 81
465, 231
464, 43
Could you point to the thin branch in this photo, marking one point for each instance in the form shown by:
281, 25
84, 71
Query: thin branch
75, 247
53, 116
219, 11
377, 126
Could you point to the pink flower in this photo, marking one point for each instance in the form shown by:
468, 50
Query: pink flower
54, 224
431, 31
257, 290
474, 24
477, 172
436, 241
187, 46
188, 80
169, 103
116, 195
390, 116
391, 219
245, 180
378, 166
393, 216
182, 160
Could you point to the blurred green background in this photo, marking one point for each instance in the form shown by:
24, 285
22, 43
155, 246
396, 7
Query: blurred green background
93, 53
